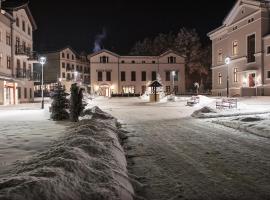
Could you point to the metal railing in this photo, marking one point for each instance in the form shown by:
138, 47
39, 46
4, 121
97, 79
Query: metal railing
28, 75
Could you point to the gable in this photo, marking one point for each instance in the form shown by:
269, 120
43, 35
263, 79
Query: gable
241, 10
96, 57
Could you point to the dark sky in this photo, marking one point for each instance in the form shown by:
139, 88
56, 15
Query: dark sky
76, 23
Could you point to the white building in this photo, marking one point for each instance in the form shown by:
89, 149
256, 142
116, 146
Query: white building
115, 74
244, 38
65, 66
16, 53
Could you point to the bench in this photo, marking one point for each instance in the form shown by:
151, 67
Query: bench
193, 100
227, 103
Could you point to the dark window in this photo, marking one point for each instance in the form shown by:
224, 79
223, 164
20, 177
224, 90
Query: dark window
77, 67
72, 67
64, 65
68, 56
17, 22
133, 76
171, 59
30, 92
68, 76
123, 76
100, 76
122, 61
8, 39
23, 26
168, 76
104, 59
268, 74
251, 48
8, 62
72, 57
19, 93
153, 62
268, 50
25, 93
144, 76
63, 75
133, 61
143, 62
29, 30
63, 55
108, 76
154, 75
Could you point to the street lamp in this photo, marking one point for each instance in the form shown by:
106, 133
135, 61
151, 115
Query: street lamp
173, 75
42, 61
227, 62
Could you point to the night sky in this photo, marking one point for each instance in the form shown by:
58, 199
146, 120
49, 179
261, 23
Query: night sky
76, 23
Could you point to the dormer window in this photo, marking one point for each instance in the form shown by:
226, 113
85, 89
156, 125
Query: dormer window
171, 59
104, 59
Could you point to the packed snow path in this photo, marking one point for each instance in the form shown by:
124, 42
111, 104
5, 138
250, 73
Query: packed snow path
178, 157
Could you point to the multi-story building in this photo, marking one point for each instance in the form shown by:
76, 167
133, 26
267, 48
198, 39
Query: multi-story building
65, 66
115, 74
16, 55
244, 39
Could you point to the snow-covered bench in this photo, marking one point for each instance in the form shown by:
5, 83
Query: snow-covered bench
227, 103
193, 100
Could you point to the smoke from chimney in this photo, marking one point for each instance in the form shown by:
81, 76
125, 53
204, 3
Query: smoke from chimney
98, 40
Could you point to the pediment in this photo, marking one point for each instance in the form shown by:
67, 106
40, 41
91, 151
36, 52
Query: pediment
241, 10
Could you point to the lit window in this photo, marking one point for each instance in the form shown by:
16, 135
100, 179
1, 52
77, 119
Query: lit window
235, 48
235, 77
219, 78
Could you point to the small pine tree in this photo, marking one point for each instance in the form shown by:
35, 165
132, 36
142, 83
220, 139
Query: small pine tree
59, 104
76, 102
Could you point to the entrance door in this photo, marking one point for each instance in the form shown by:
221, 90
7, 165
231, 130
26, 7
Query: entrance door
104, 91
251, 79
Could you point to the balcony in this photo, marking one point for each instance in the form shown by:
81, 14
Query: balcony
27, 75
22, 50
33, 56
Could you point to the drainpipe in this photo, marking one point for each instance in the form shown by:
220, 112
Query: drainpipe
12, 46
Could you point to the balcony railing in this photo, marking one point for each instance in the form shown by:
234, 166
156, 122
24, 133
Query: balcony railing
33, 56
28, 75
22, 50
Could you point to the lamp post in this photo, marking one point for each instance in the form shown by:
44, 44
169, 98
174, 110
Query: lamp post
227, 62
173, 75
42, 61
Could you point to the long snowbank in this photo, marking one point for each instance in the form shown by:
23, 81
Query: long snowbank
87, 163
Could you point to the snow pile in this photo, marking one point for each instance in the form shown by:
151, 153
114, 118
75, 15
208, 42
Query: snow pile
87, 163
254, 124
200, 113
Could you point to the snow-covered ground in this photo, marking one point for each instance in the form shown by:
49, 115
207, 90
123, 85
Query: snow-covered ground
175, 156
25, 129
88, 162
